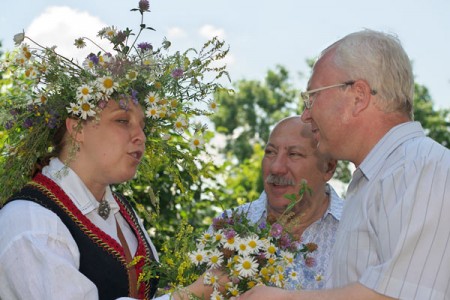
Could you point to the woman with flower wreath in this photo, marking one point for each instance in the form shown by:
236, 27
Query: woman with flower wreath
66, 234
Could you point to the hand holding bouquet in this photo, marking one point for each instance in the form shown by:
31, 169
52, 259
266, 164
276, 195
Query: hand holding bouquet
249, 253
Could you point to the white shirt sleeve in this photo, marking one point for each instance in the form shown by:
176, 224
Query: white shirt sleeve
39, 259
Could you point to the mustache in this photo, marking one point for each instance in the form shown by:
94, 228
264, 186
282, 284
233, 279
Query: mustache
279, 180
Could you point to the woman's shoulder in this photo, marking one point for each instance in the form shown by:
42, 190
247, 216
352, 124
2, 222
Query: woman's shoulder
23, 217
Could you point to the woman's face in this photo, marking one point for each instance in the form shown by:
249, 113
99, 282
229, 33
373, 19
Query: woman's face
111, 148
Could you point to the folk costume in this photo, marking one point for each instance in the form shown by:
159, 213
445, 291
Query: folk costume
101, 258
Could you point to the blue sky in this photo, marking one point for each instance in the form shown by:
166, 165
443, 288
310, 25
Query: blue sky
261, 34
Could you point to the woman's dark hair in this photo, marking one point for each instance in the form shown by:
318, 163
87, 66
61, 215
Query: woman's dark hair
58, 143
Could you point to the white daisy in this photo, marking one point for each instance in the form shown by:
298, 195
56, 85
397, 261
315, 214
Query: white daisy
198, 257
230, 243
86, 110
107, 84
242, 247
197, 142
287, 257
215, 259
152, 112
213, 106
151, 99
85, 92
211, 279
132, 75
270, 250
88, 64
74, 109
253, 243
247, 266
219, 237
216, 295
293, 275
180, 124
277, 280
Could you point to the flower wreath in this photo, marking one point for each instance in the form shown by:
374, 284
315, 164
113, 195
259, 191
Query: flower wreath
42, 88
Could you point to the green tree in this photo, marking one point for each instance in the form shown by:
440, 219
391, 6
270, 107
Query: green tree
436, 122
245, 117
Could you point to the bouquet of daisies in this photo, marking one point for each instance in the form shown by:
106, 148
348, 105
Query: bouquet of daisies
249, 253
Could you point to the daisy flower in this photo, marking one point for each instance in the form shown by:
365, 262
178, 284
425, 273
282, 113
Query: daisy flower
132, 75
216, 295
88, 64
242, 247
86, 110
80, 43
218, 236
293, 275
41, 99
230, 243
198, 257
107, 84
104, 59
277, 280
253, 243
211, 279
197, 142
212, 105
74, 109
85, 92
151, 99
107, 32
180, 124
247, 266
152, 112
270, 249
30, 73
215, 259
233, 290
287, 257
318, 277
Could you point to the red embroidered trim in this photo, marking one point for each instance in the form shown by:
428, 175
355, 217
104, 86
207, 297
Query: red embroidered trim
54, 192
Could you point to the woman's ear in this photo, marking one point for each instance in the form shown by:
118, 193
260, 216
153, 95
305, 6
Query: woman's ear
74, 129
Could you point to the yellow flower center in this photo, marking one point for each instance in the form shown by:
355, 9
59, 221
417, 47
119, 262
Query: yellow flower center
199, 257
108, 83
85, 91
86, 107
246, 265
252, 244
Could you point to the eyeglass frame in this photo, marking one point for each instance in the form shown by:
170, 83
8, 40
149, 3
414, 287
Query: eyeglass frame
306, 95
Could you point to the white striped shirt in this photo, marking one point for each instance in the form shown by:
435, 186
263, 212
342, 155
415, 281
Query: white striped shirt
394, 235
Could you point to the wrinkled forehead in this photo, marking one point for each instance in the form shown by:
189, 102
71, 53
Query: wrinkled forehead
292, 133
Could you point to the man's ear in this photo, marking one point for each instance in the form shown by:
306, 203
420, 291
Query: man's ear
363, 97
74, 129
330, 167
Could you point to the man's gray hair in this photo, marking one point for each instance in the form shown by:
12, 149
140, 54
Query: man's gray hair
379, 59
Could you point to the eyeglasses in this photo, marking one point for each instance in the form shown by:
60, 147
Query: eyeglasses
309, 100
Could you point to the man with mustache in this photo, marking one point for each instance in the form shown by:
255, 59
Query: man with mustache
291, 157
393, 240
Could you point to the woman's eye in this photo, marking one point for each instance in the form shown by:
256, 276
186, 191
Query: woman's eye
123, 121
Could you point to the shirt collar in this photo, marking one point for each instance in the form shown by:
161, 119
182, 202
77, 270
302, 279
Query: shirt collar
389, 142
336, 204
75, 188
334, 209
